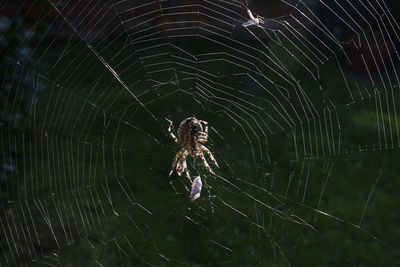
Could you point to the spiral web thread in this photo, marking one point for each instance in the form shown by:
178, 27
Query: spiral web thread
283, 103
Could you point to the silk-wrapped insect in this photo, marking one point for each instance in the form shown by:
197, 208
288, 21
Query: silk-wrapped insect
196, 189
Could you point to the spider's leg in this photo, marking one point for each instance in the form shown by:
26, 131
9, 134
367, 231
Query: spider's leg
183, 165
174, 162
202, 138
170, 131
206, 163
205, 125
188, 176
204, 135
210, 155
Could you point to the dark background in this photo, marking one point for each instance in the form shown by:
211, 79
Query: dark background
303, 122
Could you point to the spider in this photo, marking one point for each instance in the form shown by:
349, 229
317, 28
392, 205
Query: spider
191, 139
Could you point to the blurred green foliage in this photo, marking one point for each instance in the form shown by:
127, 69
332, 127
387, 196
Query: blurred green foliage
110, 179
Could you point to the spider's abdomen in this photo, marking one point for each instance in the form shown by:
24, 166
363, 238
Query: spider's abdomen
188, 131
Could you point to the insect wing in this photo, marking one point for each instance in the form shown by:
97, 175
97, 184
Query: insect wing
196, 189
248, 23
250, 14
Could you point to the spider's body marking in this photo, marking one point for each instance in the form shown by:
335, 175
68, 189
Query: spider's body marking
189, 131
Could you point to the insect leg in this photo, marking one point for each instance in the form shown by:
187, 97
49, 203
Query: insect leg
260, 20
210, 155
170, 131
206, 163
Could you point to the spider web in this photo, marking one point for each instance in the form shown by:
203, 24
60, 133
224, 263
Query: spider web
303, 122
